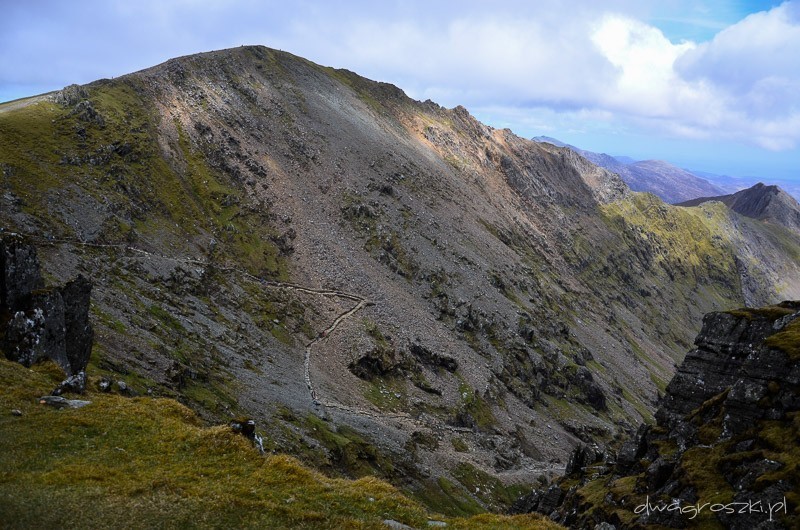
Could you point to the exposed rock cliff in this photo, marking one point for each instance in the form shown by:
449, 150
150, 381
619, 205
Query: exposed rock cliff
38, 323
726, 436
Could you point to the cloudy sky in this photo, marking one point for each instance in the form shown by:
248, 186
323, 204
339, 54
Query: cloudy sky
711, 85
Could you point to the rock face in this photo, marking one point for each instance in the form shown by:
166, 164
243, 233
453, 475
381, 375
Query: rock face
19, 272
726, 434
42, 323
78, 332
730, 368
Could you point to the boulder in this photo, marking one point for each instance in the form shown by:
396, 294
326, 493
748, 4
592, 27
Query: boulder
38, 332
39, 323
75, 384
63, 403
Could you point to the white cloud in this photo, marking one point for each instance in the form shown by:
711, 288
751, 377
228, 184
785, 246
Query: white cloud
646, 83
599, 60
742, 86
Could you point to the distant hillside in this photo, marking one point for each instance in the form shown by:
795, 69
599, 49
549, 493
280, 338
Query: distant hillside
669, 182
765, 203
672, 184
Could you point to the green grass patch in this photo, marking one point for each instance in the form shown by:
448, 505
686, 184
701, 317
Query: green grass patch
477, 407
490, 490
151, 459
788, 340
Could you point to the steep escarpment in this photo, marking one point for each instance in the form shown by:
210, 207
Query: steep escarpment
723, 451
392, 287
38, 323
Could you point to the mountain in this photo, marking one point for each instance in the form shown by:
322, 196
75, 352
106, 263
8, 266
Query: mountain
669, 182
672, 184
765, 203
387, 287
725, 434
726, 182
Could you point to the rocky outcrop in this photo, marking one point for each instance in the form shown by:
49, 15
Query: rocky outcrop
19, 272
726, 436
78, 332
39, 323
731, 369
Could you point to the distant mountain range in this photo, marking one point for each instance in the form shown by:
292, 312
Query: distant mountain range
671, 183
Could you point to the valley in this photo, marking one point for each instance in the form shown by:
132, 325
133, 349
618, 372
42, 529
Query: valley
388, 287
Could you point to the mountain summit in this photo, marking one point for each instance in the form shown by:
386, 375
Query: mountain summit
391, 287
765, 203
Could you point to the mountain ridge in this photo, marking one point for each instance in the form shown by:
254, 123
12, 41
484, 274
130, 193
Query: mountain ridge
765, 203
523, 298
669, 182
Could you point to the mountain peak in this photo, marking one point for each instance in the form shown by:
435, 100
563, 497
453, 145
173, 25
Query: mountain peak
763, 202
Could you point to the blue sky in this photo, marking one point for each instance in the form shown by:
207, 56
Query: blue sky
707, 84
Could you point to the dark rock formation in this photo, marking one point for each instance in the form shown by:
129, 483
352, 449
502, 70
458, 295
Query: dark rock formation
580, 457
104, 384
380, 362
78, 332
247, 428
75, 384
726, 433
36, 331
433, 359
592, 393
39, 323
19, 272
731, 369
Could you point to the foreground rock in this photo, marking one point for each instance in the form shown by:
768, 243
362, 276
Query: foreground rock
724, 449
63, 403
38, 323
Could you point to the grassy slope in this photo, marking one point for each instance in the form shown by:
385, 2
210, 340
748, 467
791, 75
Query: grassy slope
44, 147
145, 462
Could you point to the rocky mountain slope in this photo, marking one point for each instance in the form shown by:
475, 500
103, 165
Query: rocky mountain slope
671, 183
388, 286
765, 203
726, 437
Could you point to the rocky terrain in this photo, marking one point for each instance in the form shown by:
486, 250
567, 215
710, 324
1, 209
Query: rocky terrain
766, 203
725, 435
37, 323
670, 183
387, 286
